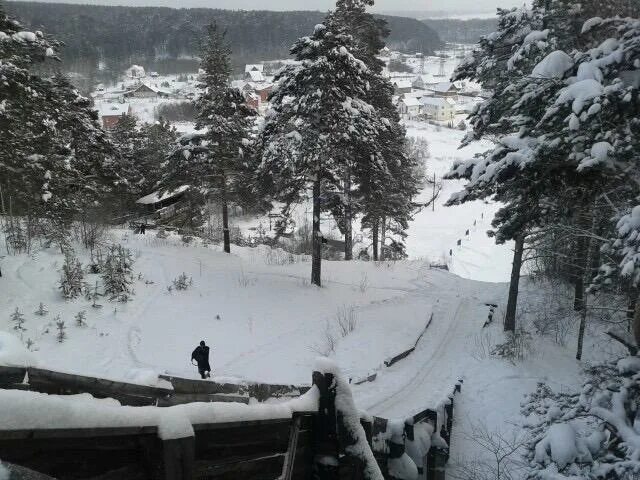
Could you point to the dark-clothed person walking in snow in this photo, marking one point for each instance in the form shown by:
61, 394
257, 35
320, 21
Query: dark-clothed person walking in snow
201, 356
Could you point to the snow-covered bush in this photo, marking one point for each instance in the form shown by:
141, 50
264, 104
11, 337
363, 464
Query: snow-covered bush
346, 320
517, 347
72, 279
590, 434
182, 282
118, 274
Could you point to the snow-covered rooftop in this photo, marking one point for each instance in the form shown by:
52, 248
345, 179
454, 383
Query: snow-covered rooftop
155, 197
112, 109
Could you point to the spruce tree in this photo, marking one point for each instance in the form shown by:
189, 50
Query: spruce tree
320, 117
53, 153
212, 161
377, 179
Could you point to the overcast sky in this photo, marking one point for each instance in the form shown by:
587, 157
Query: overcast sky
396, 6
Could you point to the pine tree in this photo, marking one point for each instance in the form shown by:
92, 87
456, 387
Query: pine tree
62, 334
566, 120
320, 118
52, 148
117, 276
212, 161
378, 180
42, 311
81, 318
18, 321
72, 278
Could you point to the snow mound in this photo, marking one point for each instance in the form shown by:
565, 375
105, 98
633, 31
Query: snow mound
13, 353
559, 446
628, 365
553, 65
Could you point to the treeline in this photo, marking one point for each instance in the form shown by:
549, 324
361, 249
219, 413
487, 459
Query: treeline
165, 38
462, 31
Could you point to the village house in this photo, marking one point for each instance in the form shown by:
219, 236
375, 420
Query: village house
252, 100
254, 73
438, 108
401, 86
444, 90
112, 113
421, 82
143, 90
263, 91
409, 107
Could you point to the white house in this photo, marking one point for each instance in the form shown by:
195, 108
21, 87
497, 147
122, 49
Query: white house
444, 89
439, 108
409, 107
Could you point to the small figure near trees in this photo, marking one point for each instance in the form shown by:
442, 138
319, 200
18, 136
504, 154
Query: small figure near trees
201, 356
81, 318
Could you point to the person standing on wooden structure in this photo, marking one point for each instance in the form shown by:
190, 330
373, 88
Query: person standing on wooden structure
201, 356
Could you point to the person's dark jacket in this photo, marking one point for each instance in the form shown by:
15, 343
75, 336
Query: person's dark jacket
201, 356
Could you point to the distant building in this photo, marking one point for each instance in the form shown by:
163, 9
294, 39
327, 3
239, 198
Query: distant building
263, 92
401, 86
252, 100
409, 107
254, 76
112, 113
444, 89
421, 82
143, 90
438, 108
254, 72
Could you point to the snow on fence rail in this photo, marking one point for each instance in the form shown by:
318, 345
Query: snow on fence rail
176, 392
71, 437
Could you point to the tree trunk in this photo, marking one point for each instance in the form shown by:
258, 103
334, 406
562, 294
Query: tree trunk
582, 263
316, 257
586, 280
632, 297
514, 285
225, 218
383, 235
225, 226
374, 233
348, 214
636, 320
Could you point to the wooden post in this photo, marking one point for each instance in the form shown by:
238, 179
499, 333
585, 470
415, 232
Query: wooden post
178, 456
326, 429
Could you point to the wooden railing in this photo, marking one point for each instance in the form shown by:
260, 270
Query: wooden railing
307, 445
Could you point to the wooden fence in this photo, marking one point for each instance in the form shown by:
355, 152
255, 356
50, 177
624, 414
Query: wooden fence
308, 445
183, 390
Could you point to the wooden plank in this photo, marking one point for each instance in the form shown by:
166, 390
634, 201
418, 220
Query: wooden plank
76, 433
11, 375
188, 385
182, 398
289, 461
242, 441
75, 458
48, 381
241, 423
261, 468
400, 356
